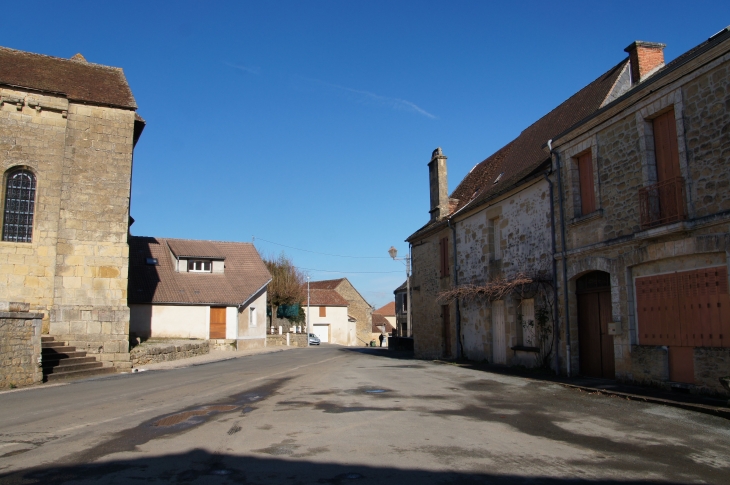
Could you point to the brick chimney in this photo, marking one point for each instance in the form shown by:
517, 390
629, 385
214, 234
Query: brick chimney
439, 186
645, 58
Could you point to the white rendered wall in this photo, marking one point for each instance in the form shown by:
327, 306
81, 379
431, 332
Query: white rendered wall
245, 330
337, 320
170, 321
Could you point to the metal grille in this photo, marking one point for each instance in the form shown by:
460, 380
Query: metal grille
662, 203
19, 206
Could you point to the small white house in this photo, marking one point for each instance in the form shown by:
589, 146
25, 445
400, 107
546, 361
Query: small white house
329, 318
180, 288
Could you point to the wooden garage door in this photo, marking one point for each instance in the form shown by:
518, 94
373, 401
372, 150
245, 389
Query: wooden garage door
217, 322
684, 310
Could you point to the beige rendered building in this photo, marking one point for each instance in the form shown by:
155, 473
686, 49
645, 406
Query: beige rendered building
68, 128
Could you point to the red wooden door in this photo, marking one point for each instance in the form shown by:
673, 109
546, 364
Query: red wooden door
217, 322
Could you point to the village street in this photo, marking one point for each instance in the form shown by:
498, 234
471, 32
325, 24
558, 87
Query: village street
342, 415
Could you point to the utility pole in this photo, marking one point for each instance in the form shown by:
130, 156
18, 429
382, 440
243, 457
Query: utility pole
308, 324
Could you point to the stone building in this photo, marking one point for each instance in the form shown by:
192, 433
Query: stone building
327, 312
493, 232
635, 237
68, 128
358, 309
647, 223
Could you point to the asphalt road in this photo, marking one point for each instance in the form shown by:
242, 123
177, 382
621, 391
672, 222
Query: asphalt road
334, 415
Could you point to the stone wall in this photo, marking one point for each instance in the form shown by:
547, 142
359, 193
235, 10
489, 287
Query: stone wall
152, 352
75, 269
295, 340
360, 309
20, 349
710, 365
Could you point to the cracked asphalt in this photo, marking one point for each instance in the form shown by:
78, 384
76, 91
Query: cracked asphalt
341, 415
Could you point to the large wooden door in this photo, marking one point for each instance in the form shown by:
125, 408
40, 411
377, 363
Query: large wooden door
217, 322
499, 345
595, 345
684, 310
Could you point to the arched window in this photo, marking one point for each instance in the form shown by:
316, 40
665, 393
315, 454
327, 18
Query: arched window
19, 206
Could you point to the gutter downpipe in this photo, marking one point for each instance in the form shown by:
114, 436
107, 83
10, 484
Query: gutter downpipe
556, 337
565, 263
456, 284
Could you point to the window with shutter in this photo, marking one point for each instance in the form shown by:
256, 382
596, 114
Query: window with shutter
587, 193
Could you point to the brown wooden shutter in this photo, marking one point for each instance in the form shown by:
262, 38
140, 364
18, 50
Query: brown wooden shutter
323, 311
665, 146
587, 194
444, 256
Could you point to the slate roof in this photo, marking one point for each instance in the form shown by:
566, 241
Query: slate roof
525, 154
402, 288
319, 297
388, 309
78, 80
380, 320
244, 274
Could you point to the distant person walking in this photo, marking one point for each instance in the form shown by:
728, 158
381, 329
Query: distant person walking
382, 337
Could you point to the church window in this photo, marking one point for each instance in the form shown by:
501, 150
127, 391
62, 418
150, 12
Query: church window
19, 206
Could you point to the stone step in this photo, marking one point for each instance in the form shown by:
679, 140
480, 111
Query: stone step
47, 339
58, 350
64, 369
51, 356
79, 374
67, 361
52, 345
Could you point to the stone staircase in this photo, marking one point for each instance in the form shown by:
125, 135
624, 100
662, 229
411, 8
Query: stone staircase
61, 361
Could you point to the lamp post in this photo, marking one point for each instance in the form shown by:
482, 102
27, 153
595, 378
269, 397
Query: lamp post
407, 261
308, 324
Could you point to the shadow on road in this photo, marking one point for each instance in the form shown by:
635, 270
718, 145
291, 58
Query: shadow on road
381, 352
203, 467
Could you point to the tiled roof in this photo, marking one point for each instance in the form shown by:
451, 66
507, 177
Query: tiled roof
319, 297
380, 320
525, 154
76, 79
244, 274
326, 284
388, 309
187, 248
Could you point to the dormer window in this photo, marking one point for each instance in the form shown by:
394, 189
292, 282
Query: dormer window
199, 266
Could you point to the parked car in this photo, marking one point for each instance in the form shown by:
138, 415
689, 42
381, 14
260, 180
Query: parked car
313, 339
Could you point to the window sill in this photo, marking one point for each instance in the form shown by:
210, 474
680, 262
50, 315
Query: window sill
597, 214
664, 230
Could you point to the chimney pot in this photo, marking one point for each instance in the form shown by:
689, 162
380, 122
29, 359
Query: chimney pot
645, 58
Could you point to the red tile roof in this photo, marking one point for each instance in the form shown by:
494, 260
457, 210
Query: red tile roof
76, 79
319, 297
244, 274
326, 284
187, 248
388, 310
380, 320
525, 154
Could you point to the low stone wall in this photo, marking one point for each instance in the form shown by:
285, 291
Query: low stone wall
152, 352
710, 365
295, 340
20, 349
223, 344
649, 366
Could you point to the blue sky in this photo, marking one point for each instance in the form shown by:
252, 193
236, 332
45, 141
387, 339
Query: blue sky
310, 124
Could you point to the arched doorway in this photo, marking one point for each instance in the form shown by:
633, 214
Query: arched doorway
595, 345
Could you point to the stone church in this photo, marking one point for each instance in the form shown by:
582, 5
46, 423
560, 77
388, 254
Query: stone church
68, 128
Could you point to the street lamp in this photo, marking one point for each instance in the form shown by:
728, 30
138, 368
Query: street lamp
308, 321
393, 252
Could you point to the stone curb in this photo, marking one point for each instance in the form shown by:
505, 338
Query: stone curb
700, 408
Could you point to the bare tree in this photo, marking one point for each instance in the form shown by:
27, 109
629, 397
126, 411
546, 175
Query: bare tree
287, 283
